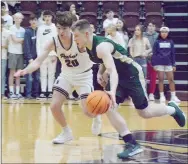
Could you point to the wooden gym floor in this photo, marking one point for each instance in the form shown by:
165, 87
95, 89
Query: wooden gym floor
28, 128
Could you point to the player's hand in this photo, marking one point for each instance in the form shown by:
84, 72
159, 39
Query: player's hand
174, 69
113, 98
20, 73
100, 80
53, 59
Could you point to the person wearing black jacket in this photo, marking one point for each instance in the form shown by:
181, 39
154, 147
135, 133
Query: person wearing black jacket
30, 53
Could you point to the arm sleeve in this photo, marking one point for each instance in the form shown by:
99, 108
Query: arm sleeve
173, 54
27, 46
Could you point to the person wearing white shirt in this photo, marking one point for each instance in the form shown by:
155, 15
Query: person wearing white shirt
109, 20
15, 54
122, 29
115, 35
140, 48
8, 20
41, 20
4, 45
47, 70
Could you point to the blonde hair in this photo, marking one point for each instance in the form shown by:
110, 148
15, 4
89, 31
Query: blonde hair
142, 40
111, 27
18, 15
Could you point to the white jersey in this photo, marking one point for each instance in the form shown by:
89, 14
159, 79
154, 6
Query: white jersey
73, 61
44, 34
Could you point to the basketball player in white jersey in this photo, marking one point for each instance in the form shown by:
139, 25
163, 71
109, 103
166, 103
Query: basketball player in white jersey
76, 74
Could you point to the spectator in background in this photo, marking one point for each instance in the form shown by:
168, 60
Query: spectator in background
48, 67
122, 29
8, 20
114, 35
109, 20
4, 45
15, 54
40, 20
92, 27
140, 48
152, 36
30, 54
70, 6
163, 60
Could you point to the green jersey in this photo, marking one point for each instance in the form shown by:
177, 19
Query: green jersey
131, 79
123, 63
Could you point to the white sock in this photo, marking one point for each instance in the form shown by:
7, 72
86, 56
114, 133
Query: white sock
97, 118
156, 110
66, 129
17, 90
161, 94
117, 122
171, 110
173, 94
11, 89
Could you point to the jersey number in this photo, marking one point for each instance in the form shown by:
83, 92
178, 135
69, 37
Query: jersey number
72, 63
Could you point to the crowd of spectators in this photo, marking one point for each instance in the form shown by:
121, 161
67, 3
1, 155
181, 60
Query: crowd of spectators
153, 51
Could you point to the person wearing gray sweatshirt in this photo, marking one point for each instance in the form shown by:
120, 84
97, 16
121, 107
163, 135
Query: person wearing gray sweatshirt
152, 36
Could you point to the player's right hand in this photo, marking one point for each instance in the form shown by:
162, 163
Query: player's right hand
20, 73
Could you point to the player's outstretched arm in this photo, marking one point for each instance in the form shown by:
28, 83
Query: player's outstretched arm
37, 62
104, 52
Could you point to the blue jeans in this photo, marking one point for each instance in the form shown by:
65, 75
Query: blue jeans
33, 84
3, 75
143, 63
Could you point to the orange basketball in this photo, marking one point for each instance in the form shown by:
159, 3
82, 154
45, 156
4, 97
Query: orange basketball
98, 102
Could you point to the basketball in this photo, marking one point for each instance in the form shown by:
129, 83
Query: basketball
98, 102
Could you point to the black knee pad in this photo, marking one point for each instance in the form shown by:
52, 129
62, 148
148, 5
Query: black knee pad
143, 105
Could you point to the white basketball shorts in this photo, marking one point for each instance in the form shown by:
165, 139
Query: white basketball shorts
82, 83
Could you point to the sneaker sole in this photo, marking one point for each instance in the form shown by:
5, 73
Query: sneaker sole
136, 152
132, 154
56, 142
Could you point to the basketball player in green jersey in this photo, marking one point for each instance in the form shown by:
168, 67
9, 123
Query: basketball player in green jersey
126, 78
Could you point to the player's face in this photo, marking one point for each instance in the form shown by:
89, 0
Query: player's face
80, 38
18, 19
63, 31
47, 18
119, 24
164, 34
137, 31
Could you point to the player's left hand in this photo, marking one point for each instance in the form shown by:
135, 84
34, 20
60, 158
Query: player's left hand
113, 98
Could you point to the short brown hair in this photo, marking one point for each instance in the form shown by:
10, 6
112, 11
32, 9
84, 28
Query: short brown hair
32, 16
81, 25
64, 18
